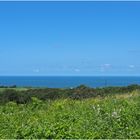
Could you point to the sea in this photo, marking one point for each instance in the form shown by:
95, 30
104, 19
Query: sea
68, 81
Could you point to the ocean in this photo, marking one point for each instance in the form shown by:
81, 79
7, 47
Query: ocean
67, 81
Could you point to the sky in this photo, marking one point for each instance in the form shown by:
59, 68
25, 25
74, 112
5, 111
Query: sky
70, 38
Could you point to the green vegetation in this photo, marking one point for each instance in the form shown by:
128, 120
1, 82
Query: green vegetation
24, 95
82, 112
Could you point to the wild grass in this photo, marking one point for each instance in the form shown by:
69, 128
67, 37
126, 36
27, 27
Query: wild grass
111, 117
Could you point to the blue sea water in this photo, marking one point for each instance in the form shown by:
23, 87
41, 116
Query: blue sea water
67, 81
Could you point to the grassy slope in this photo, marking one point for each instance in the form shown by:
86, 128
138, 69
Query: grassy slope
116, 116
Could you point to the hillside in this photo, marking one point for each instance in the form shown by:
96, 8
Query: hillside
112, 116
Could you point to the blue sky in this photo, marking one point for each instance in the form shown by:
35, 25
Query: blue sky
70, 38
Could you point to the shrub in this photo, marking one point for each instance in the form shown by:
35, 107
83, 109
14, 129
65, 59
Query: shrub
13, 95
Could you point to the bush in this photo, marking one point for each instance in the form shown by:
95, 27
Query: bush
13, 95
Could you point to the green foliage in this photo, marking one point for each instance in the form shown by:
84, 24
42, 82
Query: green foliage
13, 95
24, 95
112, 117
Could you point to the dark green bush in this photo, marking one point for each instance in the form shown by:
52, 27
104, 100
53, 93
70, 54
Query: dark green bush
13, 95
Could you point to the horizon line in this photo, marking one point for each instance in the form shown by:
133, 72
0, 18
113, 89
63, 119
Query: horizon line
69, 75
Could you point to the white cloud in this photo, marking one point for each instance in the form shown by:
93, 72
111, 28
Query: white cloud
105, 67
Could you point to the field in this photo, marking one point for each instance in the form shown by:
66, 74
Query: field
113, 116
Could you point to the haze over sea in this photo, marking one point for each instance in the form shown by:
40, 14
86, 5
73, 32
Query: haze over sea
68, 81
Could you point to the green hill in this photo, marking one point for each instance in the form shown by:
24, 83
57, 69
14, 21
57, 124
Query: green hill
113, 116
